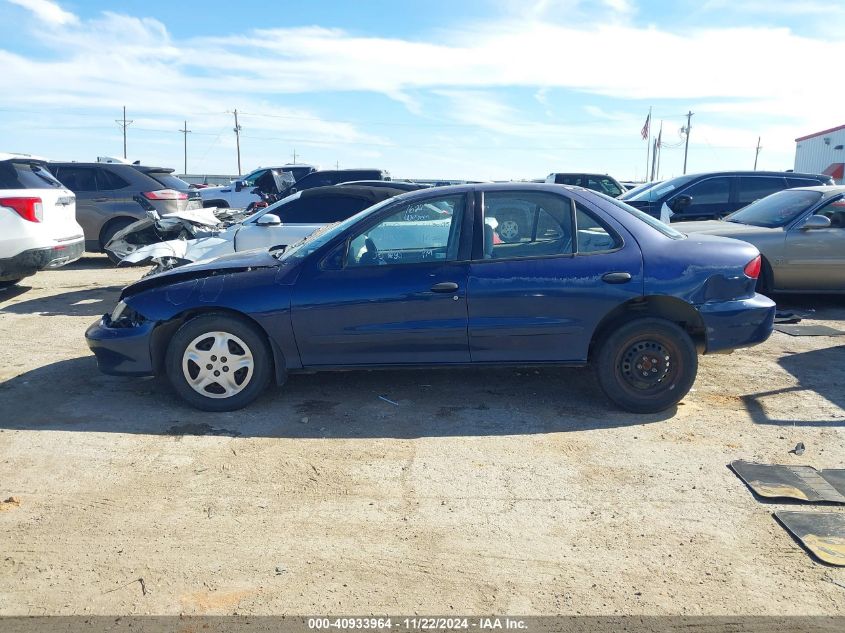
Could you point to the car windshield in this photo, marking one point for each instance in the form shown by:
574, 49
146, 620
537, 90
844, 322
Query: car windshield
654, 223
316, 240
655, 193
634, 191
776, 209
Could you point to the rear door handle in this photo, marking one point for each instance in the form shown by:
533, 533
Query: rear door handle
616, 278
445, 286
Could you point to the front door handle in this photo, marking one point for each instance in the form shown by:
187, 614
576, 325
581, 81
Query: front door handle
445, 286
616, 278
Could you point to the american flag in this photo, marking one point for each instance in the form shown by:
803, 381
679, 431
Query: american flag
646, 128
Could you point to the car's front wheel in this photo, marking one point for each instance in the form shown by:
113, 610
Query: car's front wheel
647, 365
218, 362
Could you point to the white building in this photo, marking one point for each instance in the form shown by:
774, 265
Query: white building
822, 153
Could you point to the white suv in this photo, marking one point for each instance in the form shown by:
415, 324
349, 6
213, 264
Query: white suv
38, 227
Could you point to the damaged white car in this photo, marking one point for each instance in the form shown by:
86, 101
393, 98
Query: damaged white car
207, 233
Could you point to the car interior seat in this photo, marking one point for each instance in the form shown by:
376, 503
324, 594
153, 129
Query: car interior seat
488, 241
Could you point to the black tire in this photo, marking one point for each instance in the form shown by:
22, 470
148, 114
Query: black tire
109, 231
765, 282
649, 340
8, 283
251, 342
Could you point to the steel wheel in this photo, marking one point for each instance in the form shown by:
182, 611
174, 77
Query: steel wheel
509, 230
218, 364
645, 365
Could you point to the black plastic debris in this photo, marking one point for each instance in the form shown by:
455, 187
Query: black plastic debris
804, 483
820, 533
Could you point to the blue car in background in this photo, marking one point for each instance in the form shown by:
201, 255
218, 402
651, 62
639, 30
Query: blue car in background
424, 279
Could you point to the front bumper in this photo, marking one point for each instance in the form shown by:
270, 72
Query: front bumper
738, 323
121, 351
29, 262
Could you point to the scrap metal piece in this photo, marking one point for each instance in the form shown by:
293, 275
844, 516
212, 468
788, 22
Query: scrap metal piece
775, 481
821, 533
808, 330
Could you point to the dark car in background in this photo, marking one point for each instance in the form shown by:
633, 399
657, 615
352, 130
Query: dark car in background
714, 195
328, 177
420, 280
596, 182
111, 196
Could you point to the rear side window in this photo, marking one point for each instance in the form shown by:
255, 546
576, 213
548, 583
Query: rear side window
803, 182
109, 181
710, 191
753, 188
168, 180
526, 224
322, 210
603, 184
26, 175
78, 178
593, 236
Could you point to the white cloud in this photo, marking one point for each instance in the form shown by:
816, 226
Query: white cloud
47, 11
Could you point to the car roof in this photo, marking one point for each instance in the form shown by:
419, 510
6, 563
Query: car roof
752, 173
434, 192
21, 157
141, 168
827, 190
353, 191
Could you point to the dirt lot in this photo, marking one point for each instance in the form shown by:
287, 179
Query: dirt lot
481, 491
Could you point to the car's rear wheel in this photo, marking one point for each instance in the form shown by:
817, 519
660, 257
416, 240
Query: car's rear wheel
110, 230
217, 362
647, 365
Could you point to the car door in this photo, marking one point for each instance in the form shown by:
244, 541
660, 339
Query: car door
83, 182
300, 218
540, 299
815, 258
711, 198
394, 293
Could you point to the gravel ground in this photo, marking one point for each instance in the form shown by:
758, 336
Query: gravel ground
479, 491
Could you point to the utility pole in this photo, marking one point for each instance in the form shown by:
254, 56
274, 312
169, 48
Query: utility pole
337, 164
294, 156
646, 137
185, 131
238, 140
686, 143
124, 124
757, 154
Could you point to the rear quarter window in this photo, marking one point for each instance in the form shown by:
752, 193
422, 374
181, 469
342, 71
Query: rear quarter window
26, 175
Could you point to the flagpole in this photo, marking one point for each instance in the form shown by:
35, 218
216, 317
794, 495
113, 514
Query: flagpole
659, 149
648, 143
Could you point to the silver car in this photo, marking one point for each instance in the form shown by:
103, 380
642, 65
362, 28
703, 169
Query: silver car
800, 233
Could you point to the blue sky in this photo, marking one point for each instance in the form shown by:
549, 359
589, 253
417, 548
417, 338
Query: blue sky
482, 89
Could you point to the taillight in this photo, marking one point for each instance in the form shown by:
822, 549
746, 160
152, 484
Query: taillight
29, 209
752, 268
165, 194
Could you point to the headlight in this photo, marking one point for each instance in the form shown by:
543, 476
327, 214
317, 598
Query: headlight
118, 311
124, 316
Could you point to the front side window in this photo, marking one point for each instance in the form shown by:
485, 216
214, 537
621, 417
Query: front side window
320, 210
835, 212
603, 184
710, 191
526, 224
416, 233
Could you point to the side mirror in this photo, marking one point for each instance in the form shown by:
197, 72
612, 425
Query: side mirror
816, 222
680, 203
239, 184
268, 219
292, 190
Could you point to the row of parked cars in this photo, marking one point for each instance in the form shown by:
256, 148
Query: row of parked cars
383, 274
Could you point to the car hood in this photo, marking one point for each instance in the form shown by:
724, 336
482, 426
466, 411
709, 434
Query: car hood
725, 229
243, 261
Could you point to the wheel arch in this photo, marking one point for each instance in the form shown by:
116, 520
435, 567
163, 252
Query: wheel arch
660, 306
104, 230
164, 332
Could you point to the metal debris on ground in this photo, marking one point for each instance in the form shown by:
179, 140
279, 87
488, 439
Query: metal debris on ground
821, 533
808, 330
388, 400
784, 318
805, 483
799, 449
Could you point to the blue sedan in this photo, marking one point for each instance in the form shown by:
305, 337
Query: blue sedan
425, 279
